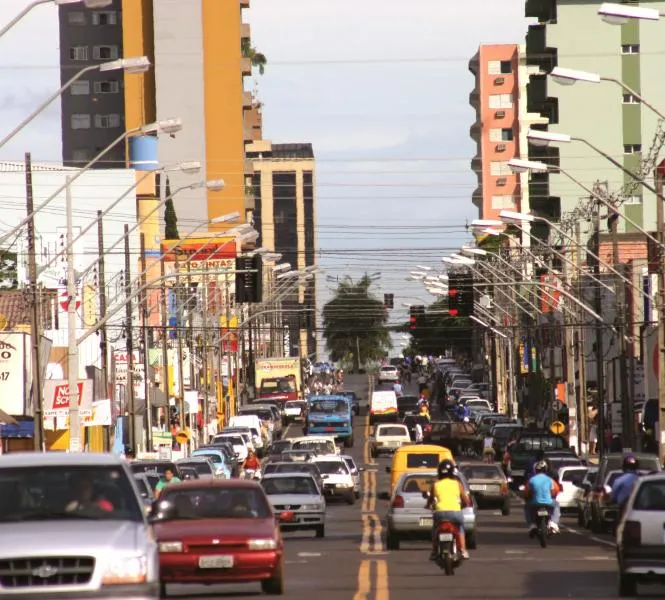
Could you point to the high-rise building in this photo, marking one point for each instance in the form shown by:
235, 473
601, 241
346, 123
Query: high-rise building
93, 108
285, 216
501, 76
609, 116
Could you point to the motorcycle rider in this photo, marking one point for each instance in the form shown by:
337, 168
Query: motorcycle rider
252, 462
447, 498
540, 490
625, 483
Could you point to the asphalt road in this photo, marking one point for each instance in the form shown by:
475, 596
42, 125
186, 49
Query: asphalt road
351, 562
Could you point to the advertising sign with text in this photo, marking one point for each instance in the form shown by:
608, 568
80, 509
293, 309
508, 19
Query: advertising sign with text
14, 370
56, 397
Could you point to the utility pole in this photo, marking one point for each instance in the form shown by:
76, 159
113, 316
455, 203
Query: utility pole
204, 347
35, 313
598, 307
227, 307
620, 291
583, 425
130, 345
180, 333
569, 375
165, 345
72, 342
103, 340
146, 350
659, 176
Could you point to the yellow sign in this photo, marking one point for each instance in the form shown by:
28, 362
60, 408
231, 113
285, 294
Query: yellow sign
557, 428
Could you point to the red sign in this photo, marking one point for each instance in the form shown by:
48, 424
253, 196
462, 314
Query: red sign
204, 249
64, 301
61, 396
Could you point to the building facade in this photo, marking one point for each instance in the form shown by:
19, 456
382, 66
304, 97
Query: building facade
283, 185
570, 34
93, 108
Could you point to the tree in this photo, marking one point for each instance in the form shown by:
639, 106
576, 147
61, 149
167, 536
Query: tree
437, 332
258, 59
355, 324
170, 218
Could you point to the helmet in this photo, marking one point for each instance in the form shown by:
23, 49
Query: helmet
446, 468
541, 466
629, 463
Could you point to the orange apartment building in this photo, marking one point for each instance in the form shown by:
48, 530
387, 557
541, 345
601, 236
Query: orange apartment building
495, 98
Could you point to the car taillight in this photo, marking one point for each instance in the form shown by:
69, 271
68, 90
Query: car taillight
632, 533
398, 502
504, 488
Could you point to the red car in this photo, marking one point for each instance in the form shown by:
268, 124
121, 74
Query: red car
218, 531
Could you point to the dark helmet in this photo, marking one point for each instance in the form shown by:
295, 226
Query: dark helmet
446, 468
540, 466
629, 463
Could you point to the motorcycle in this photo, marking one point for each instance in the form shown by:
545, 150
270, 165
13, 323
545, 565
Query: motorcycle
447, 554
251, 474
542, 522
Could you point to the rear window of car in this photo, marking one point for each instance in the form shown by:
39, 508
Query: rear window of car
389, 369
650, 496
422, 461
388, 431
202, 468
541, 443
575, 476
482, 472
417, 484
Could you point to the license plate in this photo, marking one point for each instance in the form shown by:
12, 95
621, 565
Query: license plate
216, 562
543, 512
426, 522
478, 487
445, 537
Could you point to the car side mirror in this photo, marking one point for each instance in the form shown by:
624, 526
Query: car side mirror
387, 469
361, 469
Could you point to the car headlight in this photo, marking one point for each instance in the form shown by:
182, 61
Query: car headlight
262, 544
170, 547
312, 507
124, 570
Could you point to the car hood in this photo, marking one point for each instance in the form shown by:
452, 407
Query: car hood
206, 528
294, 499
338, 479
65, 536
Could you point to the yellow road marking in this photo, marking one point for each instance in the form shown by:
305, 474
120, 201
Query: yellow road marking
382, 586
364, 583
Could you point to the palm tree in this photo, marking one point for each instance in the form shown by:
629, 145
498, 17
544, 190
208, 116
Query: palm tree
258, 59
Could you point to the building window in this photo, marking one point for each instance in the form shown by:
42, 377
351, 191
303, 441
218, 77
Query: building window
632, 148
107, 121
107, 87
502, 202
507, 135
81, 155
495, 134
105, 52
78, 53
630, 49
76, 17
499, 67
506, 67
500, 101
104, 17
80, 88
499, 168
632, 200
80, 121
630, 99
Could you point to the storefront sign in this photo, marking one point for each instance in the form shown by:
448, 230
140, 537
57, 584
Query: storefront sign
14, 371
57, 397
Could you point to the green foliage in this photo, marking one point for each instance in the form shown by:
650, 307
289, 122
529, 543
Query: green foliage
258, 59
8, 271
355, 320
437, 332
170, 218
493, 243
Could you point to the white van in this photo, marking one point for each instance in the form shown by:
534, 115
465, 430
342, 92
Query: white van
383, 407
253, 423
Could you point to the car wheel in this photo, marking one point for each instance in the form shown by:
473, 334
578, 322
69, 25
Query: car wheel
372, 453
580, 517
505, 509
471, 541
357, 495
627, 585
348, 442
320, 531
275, 585
162, 590
596, 524
351, 498
392, 541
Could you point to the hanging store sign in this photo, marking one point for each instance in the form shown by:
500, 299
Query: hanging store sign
14, 372
57, 397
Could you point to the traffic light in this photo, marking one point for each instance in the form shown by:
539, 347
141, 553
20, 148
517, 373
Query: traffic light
389, 300
460, 294
249, 285
416, 314
453, 295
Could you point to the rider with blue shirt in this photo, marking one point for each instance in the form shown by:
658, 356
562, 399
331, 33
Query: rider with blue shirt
624, 485
540, 490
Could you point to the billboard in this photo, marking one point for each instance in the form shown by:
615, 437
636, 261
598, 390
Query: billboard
56, 397
14, 372
210, 252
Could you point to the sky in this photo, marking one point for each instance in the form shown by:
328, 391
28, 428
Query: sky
379, 87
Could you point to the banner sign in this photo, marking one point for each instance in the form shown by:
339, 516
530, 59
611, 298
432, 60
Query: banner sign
99, 416
56, 397
14, 372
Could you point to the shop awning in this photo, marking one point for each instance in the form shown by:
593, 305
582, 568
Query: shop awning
7, 419
21, 429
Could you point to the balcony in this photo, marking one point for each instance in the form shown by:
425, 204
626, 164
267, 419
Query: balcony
247, 100
477, 164
543, 10
474, 99
477, 198
244, 4
249, 166
537, 52
474, 64
547, 154
539, 102
246, 66
474, 131
245, 31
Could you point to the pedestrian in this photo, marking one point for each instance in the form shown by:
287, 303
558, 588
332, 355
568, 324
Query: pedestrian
422, 383
488, 448
418, 433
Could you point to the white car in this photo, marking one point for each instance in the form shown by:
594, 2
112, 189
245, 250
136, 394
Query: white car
237, 441
571, 486
294, 410
317, 444
639, 538
337, 478
355, 472
387, 438
478, 404
388, 374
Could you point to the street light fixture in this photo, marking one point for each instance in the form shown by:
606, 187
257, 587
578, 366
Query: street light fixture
450, 261
619, 14
233, 216
281, 267
486, 223
465, 260
518, 165
517, 216
477, 251
135, 65
541, 139
424, 268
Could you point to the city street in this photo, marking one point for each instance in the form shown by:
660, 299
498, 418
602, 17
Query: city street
352, 563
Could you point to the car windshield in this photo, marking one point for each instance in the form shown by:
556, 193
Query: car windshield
650, 496
201, 467
290, 485
350, 464
392, 431
146, 466
144, 487
328, 406
279, 446
236, 440
293, 404
388, 369
280, 386
422, 461
295, 468
575, 476
216, 458
531, 444
482, 472
319, 447
332, 467
217, 503
417, 484
99, 493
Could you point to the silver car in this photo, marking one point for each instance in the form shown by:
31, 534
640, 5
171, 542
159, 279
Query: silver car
408, 517
72, 526
203, 465
297, 500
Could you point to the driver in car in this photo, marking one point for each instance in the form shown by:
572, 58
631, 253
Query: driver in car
85, 498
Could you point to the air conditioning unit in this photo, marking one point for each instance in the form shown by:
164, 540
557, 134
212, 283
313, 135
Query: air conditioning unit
499, 81
500, 114
500, 147
501, 181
